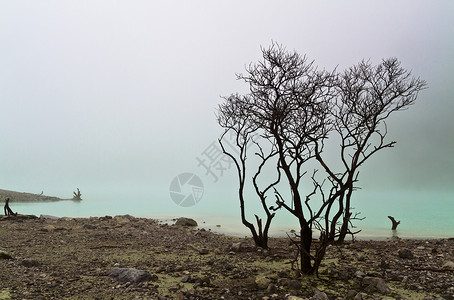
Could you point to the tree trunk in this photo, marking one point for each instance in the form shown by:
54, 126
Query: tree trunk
395, 223
305, 249
347, 215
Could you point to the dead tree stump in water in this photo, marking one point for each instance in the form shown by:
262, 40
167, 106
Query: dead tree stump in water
77, 196
7, 209
395, 223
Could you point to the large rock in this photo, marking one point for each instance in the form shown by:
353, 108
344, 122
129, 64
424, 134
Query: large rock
129, 275
185, 222
376, 284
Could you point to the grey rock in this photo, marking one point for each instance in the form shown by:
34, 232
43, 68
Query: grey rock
290, 283
262, 282
29, 263
129, 275
48, 217
318, 295
360, 296
376, 283
123, 219
271, 288
237, 247
185, 222
89, 226
351, 294
448, 265
359, 274
203, 251
405, 253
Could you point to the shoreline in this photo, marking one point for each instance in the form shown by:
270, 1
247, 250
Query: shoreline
24, 197
71, 258
29, 203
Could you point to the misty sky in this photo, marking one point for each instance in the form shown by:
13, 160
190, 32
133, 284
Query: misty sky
108, 95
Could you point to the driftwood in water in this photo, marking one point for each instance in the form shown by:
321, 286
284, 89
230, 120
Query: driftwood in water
395, 223
78, 195
7, 209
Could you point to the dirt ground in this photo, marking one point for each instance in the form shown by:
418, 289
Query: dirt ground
70, 259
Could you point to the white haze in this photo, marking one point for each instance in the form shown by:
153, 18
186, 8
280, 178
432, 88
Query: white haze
119, 97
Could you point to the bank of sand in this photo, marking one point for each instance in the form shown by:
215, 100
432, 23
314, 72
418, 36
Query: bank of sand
70, 258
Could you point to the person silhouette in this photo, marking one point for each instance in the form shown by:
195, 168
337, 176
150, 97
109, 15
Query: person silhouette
7, 209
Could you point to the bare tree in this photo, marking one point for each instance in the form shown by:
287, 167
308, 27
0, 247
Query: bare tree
366, 96
288, 106
294, 107
235, 117
77, 196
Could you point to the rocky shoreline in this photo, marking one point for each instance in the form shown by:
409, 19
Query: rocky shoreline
124, 257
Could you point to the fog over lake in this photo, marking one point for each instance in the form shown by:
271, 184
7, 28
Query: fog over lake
119, 98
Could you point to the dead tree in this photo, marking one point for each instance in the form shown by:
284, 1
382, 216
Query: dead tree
295, 108
395, 223
234, 117
7, 209
365, 97
77, 196
287, 106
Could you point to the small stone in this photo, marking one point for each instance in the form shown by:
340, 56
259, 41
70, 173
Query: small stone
405, 253
203, 251
292, 284
271, 288
236, 247
359, 274
28, 263
186, 278
262, 282
282, 273
376, 283
48, 217
351, 294
49, 228
360, 296
205, 279
448, 265
318, 295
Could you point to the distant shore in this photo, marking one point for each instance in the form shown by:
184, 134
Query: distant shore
27, 197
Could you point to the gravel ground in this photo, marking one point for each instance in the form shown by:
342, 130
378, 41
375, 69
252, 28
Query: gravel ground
72, 258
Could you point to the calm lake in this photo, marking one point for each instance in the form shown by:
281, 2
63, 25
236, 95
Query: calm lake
421, 215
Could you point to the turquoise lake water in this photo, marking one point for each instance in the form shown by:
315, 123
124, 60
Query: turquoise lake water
422, 215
